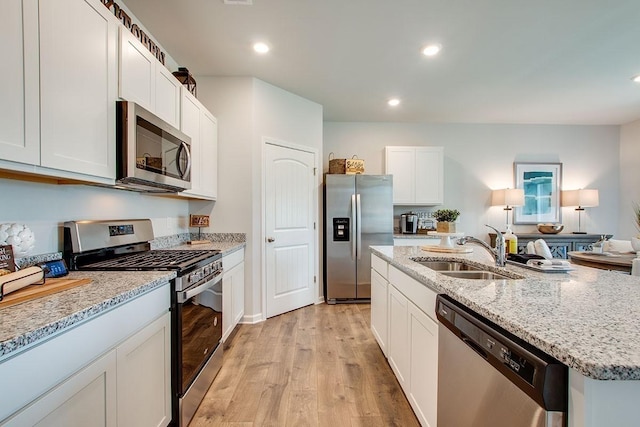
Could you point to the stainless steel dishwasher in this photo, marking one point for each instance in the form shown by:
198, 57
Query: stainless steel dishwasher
489, 378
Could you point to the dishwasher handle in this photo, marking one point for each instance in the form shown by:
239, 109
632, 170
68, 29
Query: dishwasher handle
475, 347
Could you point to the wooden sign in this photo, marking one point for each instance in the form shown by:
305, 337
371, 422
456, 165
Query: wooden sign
198, 220
135, 29
7, 264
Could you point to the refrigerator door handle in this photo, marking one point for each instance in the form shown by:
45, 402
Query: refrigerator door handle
353, 226
358, 227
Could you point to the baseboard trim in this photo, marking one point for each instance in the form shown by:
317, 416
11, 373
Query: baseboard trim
251, 320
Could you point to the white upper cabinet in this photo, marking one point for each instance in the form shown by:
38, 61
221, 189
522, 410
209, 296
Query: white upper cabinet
137, 71
202, 127
19, 109
167, 96
418, 174
57, 115
145, 81
78, 86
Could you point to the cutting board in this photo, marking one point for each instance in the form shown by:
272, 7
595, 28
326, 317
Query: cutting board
51, 286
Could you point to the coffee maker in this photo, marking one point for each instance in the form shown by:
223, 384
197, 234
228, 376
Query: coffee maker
409, 223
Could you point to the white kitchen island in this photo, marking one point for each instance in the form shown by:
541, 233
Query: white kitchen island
585, 318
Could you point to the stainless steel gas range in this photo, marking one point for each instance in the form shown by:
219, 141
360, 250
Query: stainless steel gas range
196, 300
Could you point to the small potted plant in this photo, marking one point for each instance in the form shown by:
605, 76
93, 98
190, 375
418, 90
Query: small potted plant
446, 220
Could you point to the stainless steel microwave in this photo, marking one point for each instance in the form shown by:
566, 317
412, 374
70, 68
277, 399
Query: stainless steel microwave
152, 155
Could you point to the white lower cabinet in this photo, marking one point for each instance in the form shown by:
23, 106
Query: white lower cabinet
232, 292
411, 336
379, 305
144, 376
398, 351
423, 365
87, 399
114, 370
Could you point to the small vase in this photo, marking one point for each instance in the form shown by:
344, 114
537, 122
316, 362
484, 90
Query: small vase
446, 227
635, 243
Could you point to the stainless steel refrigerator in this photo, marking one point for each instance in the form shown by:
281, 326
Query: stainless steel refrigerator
358, 213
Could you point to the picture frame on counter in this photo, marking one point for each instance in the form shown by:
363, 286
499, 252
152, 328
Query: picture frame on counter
541, 183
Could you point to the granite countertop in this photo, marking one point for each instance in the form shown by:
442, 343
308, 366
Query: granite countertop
586, 318
24, 324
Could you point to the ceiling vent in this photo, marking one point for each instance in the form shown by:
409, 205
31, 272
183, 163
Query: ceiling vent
242, 2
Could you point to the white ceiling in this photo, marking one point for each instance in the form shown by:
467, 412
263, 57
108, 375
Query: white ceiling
503, 61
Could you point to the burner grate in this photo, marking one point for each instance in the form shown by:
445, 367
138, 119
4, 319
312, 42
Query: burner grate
165, 259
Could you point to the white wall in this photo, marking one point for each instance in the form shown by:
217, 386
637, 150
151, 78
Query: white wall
629, 178
44, 207
479, 158
248, 110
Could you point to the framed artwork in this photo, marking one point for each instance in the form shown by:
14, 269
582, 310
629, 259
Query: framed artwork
541, 183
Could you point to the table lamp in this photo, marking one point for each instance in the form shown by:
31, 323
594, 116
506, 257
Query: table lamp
583, 198
508, 197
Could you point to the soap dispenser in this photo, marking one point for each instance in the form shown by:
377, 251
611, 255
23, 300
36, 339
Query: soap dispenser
511, 241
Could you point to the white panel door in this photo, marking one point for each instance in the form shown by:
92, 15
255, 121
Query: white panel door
19, 103
78, 86
290, 212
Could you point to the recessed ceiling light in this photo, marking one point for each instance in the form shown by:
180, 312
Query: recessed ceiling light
393, 102
261, 47
431, 50
636, 78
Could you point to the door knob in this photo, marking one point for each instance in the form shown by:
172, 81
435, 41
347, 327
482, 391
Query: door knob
271, 239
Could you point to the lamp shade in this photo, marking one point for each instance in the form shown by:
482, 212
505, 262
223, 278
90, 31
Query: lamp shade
583, 198
507, 197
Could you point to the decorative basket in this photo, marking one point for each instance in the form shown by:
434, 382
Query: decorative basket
352, 166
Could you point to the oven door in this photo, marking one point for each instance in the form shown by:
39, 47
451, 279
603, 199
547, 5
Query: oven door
199, 327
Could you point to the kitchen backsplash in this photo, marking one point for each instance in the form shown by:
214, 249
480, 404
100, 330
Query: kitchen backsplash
161, 242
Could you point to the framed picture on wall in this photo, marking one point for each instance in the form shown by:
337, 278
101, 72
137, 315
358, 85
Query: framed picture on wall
541, 183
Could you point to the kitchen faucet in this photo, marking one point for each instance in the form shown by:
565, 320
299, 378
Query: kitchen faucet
498, 254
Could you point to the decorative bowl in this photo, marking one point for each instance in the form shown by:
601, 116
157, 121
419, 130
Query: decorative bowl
550, 228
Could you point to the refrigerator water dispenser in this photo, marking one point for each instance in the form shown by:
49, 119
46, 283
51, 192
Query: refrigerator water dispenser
341, 229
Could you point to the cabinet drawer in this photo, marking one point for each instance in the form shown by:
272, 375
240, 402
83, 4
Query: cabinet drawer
380, 266
233, 259
422, 296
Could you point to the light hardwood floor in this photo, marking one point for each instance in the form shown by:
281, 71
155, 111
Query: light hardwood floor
316, 366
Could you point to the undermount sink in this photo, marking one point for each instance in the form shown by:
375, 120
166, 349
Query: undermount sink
448, 266
462, 270
478, 274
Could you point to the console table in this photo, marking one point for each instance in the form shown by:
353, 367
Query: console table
559, 244
613, 261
